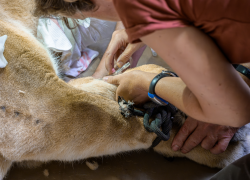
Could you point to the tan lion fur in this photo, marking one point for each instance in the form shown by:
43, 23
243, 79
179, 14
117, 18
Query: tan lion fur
42, 118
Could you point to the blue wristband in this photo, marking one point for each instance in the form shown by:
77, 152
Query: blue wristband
151, 92
155, 97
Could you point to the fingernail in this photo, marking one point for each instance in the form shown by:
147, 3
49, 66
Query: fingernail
184, 151
119, 64
105, 78
113, 70
175, 148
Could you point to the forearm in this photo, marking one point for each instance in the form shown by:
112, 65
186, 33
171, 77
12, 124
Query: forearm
119, 25
174, 90
215, 92
246, 79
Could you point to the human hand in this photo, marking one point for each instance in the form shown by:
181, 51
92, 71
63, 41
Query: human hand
132, 86
211, 136
98, 74
119, 50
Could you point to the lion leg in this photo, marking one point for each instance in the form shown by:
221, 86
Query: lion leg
235, 150
30, 164
4, 166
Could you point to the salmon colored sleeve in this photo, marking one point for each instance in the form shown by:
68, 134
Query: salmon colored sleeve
142, 17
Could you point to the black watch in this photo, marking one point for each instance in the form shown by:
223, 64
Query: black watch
243, 70
151, 91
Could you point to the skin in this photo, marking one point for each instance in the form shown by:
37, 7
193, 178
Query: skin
118, 52
183, 52
101, 71
189, 93
190, 134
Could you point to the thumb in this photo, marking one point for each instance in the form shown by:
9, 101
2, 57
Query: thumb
125, 56
111, 79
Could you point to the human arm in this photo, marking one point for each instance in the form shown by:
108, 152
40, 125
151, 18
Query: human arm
211, 137
244, 77
192, 133
209, 88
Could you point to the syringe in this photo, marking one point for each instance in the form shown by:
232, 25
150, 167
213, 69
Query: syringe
120, 70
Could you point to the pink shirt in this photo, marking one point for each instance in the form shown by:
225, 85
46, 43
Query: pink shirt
227, 22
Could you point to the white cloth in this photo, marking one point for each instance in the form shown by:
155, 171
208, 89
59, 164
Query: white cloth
76, 67
54, 34
3, 62
49, 34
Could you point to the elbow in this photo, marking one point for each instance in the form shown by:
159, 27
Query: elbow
239, 122
232, 120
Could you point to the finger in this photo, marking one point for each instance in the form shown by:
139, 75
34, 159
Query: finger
118, 53
127, 53
187, 128
118, 41
221, 146
109, 60
120, 92
209, 141
194, 140
109, 55
112, 79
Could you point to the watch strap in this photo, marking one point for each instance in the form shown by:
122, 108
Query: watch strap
243, 70
156, 79
157, 99
151, 91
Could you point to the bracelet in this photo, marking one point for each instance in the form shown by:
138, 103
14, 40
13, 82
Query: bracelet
151, 91
243, 70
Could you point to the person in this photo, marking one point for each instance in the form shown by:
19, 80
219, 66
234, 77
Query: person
200, 40
209, 89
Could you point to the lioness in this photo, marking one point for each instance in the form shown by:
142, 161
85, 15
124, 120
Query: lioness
43, 118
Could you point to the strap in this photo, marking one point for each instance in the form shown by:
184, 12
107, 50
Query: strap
151, 91
243, 70
155, 97
161, 125
155, 80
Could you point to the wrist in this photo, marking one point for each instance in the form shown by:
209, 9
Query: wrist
151, 92
146, 80
119, 25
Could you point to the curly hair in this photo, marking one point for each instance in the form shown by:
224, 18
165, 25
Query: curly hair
55, 8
